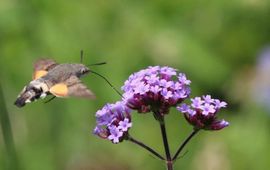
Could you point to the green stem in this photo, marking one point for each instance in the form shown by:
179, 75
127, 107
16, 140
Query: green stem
12, 160
131, 139
194, 132
169, 161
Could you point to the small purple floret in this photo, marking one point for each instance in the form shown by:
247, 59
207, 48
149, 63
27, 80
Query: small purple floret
115, 134
208, 99
219, 104
183, 79
197, 102
124, 125
207, 109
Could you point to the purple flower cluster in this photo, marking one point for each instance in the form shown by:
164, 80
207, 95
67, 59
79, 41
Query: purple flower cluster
202, 113
113, 122
155, 89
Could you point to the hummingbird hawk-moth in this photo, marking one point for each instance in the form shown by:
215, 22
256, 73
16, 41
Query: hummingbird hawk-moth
60, 80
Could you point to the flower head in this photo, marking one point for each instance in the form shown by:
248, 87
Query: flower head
202, 113
155, 89
113, 122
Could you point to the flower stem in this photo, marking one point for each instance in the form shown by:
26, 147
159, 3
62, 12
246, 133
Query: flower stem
194, 132
131, 139
169, 161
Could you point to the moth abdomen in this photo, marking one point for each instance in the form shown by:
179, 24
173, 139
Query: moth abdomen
20, 102
30, 93
26, 97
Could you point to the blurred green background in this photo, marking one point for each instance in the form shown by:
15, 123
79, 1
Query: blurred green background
218, 44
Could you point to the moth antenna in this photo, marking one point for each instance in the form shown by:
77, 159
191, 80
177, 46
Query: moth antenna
104, 78
50, 99
101, 63
81, 60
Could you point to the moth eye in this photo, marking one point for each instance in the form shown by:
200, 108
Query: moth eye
83, 70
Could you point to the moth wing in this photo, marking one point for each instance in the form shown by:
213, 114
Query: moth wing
72, 87
80, 90
42, 66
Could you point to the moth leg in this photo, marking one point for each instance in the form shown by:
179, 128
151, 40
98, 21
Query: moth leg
53, 97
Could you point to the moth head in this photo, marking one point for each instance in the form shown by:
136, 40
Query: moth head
82, 69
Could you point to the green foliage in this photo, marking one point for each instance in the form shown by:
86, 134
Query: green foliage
214, 43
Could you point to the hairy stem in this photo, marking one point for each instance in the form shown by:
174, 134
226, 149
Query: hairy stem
194, 132
131, 139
